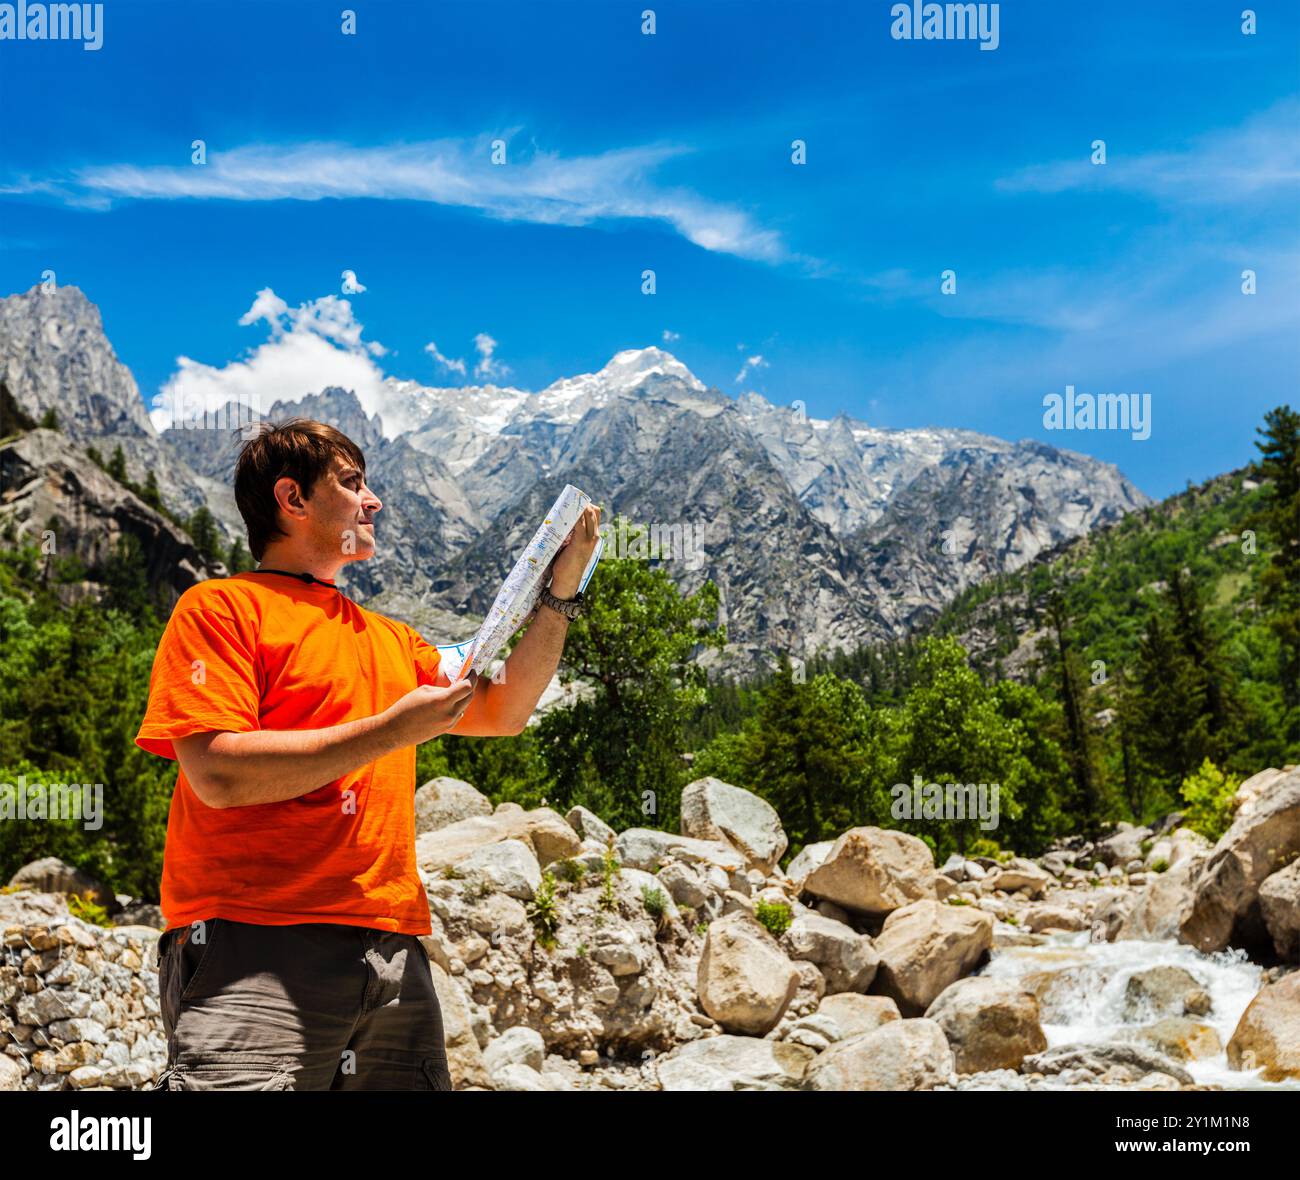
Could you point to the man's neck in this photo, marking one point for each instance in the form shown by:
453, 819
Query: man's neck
294, 561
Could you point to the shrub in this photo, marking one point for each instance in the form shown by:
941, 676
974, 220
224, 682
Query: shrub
774, 915
1211, 797
543, 913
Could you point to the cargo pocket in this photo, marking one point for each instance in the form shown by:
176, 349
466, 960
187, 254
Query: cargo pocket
233, 1071
205, 958
436, 1073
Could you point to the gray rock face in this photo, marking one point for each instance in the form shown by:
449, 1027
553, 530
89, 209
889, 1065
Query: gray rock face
54, 355
45, 479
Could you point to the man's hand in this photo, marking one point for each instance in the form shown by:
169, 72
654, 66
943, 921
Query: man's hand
428, 711
574, 554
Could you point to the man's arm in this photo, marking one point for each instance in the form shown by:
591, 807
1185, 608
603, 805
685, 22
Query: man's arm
268, 766
501, 708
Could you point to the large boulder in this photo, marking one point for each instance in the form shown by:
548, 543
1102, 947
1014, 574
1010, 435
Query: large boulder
1183, 1039
854, 1013
899, 1055
744, 979
442, 801
1264, 838
714, 810
1020, 876
51, 875
874, 871
1267, 1036
1124, 845
733, 1063
590, 826
508, 866
846, 958
989, 1023
1158, 911
924, 947
810, 856
542, 829
1136, 1060
1164, 991
650, 849
1279, 904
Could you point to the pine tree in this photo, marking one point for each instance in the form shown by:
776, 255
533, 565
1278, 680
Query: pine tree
202, 528
1085, 802
117, 465
1279, 521
150, 493
240, 559
50, 419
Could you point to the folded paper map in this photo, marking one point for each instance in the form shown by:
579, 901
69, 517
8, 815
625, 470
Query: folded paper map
519, 592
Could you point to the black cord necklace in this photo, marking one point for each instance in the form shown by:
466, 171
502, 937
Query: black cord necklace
308, 578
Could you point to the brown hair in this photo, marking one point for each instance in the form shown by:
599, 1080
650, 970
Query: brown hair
298, 448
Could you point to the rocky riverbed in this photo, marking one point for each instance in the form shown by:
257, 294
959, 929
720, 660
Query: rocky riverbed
571, 957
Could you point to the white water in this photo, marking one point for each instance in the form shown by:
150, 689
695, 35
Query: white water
1099, 973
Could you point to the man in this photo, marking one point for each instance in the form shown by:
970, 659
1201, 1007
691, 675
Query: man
291, 958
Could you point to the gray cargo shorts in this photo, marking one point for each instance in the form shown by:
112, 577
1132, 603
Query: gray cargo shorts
311, 1006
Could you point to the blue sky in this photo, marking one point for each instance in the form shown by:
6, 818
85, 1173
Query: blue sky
672, 152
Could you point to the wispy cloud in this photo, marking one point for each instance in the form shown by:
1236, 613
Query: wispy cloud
451, 364
752, 364
1259, 158
488, 366
541, 187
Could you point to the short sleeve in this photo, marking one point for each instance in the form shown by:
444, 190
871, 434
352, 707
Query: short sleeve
204, 679
427, 658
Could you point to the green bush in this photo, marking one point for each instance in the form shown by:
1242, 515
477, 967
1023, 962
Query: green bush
775, 915
1210, 796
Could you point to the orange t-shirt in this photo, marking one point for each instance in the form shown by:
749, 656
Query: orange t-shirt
269, 651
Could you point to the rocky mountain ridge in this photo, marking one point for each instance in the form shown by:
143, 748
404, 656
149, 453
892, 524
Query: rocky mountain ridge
819, 534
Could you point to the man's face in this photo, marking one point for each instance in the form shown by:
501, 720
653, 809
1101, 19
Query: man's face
342, 512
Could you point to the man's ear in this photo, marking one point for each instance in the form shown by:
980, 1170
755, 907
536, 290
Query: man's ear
289, 498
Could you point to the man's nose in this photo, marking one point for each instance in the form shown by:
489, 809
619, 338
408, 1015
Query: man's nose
373, 502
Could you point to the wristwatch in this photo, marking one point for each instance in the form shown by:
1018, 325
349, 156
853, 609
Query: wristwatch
570, 608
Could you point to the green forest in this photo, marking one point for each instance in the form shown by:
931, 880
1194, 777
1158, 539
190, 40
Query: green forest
1147, 667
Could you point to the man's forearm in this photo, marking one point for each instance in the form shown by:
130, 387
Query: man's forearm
530, 666
269, 766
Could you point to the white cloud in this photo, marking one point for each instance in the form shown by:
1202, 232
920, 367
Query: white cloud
752, 364
487, 366
1260, 157
350, 284
542, 187
309, 347
446, 362
670, 336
